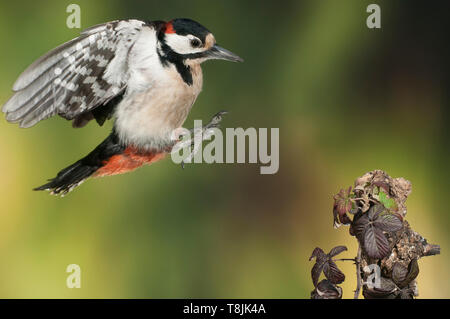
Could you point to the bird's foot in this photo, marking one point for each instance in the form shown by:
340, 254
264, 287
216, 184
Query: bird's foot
198, 135
214, 123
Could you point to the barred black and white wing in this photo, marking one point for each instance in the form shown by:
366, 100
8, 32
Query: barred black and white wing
76, 77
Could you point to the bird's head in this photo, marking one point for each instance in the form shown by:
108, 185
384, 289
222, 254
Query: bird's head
189, 41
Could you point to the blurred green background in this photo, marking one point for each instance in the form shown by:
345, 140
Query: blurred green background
347, 100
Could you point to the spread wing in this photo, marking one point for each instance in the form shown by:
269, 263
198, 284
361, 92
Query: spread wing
76, 77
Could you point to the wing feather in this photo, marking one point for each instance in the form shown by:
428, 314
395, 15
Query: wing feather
75, 77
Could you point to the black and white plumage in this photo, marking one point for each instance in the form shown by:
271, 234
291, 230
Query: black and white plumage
145, 74
76, 77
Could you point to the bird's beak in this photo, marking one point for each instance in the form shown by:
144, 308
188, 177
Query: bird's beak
219, 53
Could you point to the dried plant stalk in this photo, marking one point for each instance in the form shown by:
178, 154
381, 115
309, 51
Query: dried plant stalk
375, 209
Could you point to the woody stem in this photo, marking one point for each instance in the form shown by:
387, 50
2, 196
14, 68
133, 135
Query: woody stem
358, 273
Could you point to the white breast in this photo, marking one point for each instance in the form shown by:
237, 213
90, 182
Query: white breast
157, 99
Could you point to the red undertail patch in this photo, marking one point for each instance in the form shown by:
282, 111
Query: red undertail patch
128, 161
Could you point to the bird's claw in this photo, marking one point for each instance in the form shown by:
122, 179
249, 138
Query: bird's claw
216, 119
214, 123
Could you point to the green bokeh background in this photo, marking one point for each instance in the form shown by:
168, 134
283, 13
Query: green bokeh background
347, 100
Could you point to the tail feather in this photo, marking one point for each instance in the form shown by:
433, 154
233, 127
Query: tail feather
68, 178
108, 158
72, 176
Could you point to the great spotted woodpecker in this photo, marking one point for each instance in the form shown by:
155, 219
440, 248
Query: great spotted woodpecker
146, 75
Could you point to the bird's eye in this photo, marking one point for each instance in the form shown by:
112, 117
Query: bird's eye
196, 43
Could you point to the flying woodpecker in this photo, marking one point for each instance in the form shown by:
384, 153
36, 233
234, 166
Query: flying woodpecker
144, 75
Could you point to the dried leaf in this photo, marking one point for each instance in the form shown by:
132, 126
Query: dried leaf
342, 206
316, 271
321, 259
413, 271
403, 276
388, 223
386, 290
386, 285
376, 244
406, 293
382, 184
325, 263
333, 273
326, 290
375, 211
318, 253
369, 227
336, 251
359, 226
399, 273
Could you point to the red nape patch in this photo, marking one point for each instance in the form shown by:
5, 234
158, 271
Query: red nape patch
128, 161
169, 27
